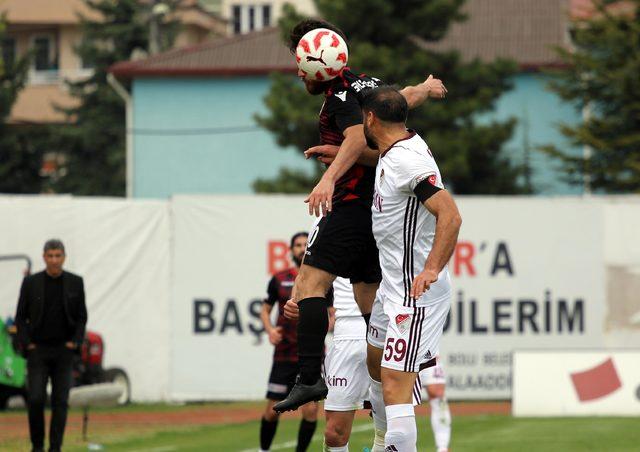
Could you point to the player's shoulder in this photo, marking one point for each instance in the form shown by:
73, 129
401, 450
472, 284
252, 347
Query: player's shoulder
350, 87
412, 146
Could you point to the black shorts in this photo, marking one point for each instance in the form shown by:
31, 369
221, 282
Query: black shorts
343, 244
281, 380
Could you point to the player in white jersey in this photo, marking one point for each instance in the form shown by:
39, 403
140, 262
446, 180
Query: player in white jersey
345, 368
434, 381
415, 224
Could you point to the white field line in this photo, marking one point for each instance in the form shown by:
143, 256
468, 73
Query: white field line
290, 444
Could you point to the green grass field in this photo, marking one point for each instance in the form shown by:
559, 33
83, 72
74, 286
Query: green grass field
470, 433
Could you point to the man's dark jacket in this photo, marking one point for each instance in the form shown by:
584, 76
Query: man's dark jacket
29, 316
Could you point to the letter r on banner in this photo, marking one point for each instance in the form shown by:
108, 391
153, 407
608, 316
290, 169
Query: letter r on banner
277, 256
462, 257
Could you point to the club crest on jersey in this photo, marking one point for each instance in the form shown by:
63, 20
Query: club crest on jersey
402, 322
432, 179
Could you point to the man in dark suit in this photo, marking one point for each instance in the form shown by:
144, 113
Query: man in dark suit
51, 319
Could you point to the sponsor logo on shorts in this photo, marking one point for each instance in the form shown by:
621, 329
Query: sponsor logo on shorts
338, 382
427, 355
403, 322
373, 331
391, 448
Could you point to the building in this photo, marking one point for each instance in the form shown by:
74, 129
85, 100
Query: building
192, 117
51, 29
245, 16
193, 110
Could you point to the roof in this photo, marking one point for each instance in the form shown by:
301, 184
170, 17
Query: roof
525, 31
61, 12
66, 12
255, 53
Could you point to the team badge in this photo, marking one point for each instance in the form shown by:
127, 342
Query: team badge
402, 322
432, 179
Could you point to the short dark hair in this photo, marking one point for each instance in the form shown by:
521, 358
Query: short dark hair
305, 26
54, 244
296, 236
387, 104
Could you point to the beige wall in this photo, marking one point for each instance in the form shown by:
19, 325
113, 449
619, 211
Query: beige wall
35, 102
303, 6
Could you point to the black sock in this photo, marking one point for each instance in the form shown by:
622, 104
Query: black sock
313, 324
305, 433
366, 318
267, 432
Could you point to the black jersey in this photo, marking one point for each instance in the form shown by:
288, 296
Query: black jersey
341, 110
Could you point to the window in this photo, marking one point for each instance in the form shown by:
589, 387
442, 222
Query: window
266, 15
237, 19
252, 18
8, 51
42, 53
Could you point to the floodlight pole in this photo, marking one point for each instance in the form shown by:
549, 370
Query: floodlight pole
126, 96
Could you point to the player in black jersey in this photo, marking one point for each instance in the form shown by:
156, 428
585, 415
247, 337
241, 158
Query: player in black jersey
342, 244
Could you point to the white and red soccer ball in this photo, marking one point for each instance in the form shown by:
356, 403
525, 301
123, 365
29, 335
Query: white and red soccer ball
321, 54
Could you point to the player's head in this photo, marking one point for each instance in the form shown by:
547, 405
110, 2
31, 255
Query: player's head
302, 28
298, 246
384, 108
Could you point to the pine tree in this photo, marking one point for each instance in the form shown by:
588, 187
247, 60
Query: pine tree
602, 80
393, 45
95, 139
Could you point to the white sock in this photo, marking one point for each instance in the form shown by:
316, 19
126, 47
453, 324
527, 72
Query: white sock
441, 423
344, 448
402, 433
379, 415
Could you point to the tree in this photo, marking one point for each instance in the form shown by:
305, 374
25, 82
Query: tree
394, 44
95, 139
601, 80
21, 160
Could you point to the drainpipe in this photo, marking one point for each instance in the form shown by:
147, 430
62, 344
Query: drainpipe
124, 94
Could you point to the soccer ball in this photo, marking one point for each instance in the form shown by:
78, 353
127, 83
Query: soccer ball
321, 54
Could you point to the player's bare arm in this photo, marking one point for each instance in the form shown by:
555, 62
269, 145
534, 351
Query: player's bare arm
351, 148
416, 95
448, 222
274, 333
326, 153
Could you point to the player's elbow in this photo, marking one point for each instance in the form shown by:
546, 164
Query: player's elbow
456, 220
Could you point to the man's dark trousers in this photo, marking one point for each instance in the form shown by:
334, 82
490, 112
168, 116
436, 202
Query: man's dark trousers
43, 362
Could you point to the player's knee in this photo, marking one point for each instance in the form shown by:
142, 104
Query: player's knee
310, 412
336, 434
373, 366
435, 392
269, 413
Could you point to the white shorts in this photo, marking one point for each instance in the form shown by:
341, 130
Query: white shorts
408, 336
346, 375
433, 375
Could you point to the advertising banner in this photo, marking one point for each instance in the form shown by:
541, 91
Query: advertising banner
576, 383
526, 274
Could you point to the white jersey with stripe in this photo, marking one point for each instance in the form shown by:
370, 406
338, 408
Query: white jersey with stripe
404, 229
349, 322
